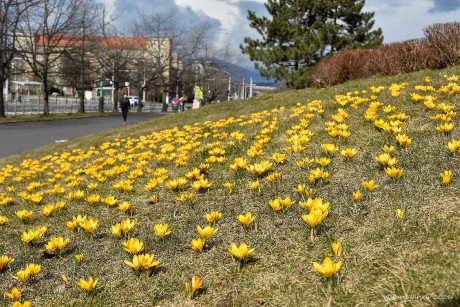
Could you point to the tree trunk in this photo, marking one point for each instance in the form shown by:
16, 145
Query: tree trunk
116, 98
46, 107
2, 104
81, 96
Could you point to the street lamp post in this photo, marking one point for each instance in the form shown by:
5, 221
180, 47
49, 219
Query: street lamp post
229, 79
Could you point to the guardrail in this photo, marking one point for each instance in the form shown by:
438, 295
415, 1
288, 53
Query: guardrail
35, 105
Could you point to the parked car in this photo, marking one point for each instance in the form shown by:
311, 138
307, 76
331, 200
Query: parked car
133, 101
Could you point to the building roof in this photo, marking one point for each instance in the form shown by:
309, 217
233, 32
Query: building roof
135, 43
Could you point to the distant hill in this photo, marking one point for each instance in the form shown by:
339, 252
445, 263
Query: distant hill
247, 73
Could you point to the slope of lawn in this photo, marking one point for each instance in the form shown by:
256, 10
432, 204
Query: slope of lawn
399, 240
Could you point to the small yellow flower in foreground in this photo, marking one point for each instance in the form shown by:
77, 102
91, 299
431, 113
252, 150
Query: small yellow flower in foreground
190, 288
56, 243
403, 140
161, 230
109, 200
400, 213
229, 185
394, 172
337, 248
246, 219
48, 210
126, 225
206, 232
240, 252
22, 275
133, 246
446, 177
453, 146
4, 261
147, 261
135, 265
116, 230
254, 185
3, 219
369, 185
153, 199
90, 225
31, 235
329, 148
349, 152
93, 198
15, 294
213, 216
124, 206
87, 285
315, 217
389, 149
357, 195
328, 268
25, 304
80, 257
198, 244
445, 128
24, 214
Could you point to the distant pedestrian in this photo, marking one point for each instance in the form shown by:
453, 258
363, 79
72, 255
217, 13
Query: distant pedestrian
124, 105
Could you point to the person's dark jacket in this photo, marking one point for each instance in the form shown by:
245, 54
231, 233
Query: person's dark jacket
124, 103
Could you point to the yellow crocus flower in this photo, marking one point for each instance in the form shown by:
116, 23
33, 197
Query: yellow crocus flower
213, 216
357, 195
124, 206
133, 246
80, 257
15, 294
400, 213
240, 252
56, 243
190, 288
446, 177
369, 185
328, 268
161, 230
147, 261
4, 261
116, 230
135, 265
126, 225
206, 232
24, 214
24, 304
198, 244
337, 248
87, 285
246, 219
89, 225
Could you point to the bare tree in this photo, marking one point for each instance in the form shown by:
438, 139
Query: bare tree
11, 13
175, 51
81, 60
53, 26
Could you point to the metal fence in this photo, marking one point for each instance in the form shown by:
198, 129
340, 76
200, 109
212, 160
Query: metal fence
35, 105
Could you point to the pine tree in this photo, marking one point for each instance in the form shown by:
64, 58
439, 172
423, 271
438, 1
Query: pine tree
300, 32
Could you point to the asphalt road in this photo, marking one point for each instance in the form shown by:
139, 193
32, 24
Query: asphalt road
16, 138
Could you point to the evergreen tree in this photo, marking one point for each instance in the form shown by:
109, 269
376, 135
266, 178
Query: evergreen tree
300, 32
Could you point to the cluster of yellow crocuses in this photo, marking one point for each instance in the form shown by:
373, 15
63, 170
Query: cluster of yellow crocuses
179, 166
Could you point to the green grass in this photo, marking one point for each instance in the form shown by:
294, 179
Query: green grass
41, 117
411, 261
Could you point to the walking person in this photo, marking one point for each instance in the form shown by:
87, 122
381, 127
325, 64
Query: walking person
124, 105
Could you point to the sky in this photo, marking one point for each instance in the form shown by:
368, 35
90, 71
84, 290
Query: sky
399, 19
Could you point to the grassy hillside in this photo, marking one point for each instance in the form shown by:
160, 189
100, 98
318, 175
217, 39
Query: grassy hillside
399, 240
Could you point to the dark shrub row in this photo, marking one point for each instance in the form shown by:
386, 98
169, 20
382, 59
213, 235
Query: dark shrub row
439, 48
